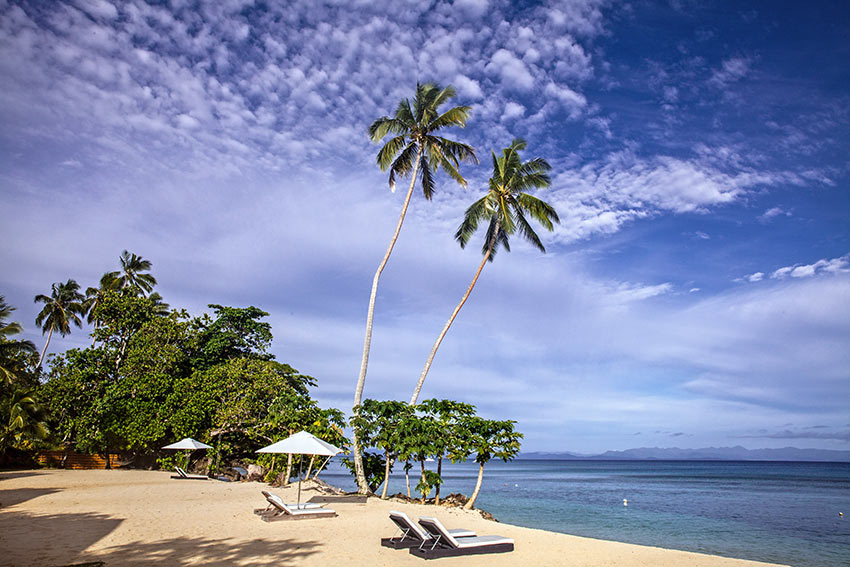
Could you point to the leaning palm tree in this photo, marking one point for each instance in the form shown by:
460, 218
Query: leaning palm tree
10, 348
414, 149
61, 308
131, 275
504, 209
95, 296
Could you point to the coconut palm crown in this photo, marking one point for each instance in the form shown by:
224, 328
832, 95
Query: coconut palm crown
506, 205
414, 126
61, 308
131, 275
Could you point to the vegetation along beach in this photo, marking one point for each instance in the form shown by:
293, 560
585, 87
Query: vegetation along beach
479, 282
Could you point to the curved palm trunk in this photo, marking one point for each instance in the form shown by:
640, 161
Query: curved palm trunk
362, 484
44, 350
471, 502
446, 328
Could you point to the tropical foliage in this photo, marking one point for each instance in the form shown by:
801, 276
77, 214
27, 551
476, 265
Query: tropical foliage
154, 375
434, 429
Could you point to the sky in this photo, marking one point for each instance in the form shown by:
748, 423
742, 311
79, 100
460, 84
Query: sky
695, 293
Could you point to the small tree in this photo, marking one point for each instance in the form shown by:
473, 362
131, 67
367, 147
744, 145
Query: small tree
448, 414
418, 440
376, 424
490, 439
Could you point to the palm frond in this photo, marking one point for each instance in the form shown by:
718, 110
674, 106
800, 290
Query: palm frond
527, 232
475, 213
403, 164
458, 150
386, 125
455, 116
540, 210
427, 177
388, 152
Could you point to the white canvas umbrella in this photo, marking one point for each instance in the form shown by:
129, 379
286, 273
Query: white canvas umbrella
188, 444
302, 443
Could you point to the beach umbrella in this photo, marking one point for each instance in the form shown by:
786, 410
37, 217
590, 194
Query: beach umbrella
188, 444
302, 443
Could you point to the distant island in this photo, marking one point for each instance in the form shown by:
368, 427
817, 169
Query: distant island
707, 454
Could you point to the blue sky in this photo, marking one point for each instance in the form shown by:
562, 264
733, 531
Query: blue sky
695, 293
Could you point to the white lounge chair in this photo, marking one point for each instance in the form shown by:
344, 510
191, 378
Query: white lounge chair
281, 511
411, 534
183, 475
444, 544
269, 497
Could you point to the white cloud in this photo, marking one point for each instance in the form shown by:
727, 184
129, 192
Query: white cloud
832, 266
473, 8
511, 70
772, 213
513, 110
732, 70
467, 87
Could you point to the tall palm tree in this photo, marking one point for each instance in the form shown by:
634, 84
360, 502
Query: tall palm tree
61, 308
95, 296
414, 149
504, 209
131, 275
9, 347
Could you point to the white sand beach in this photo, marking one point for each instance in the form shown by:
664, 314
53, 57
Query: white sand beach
54, 518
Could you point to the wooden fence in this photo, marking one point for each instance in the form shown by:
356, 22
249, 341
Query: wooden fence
76, 461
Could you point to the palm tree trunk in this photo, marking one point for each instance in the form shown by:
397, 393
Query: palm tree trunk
471, 502
362, 484
407, 479
445, 330
386, 476
44, 350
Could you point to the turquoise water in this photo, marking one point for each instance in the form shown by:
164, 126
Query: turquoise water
764, 511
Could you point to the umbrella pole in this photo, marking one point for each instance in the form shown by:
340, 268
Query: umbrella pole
298, 505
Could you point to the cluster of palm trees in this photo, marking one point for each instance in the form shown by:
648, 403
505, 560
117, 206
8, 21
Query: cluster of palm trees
66, 305
415, 149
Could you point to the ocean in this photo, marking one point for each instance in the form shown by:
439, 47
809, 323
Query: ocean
776, 512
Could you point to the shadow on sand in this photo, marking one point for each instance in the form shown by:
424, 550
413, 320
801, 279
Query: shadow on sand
74, 534
10, 474
67, 536
18, 495
201, 551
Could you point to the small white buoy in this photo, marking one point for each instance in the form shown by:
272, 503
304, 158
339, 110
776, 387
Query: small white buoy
516, 486
625, 502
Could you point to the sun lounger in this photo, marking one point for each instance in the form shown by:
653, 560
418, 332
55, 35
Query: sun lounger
444, 544
183, 475
270, 508
281, 511
411, 534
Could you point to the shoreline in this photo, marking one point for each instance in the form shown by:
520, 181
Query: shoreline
58, 518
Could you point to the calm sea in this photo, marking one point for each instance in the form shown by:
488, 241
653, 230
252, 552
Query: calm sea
763, 511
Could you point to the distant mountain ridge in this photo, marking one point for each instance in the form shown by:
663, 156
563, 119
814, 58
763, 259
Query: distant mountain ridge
707, 454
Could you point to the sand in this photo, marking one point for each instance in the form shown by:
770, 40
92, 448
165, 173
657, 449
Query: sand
55, 518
